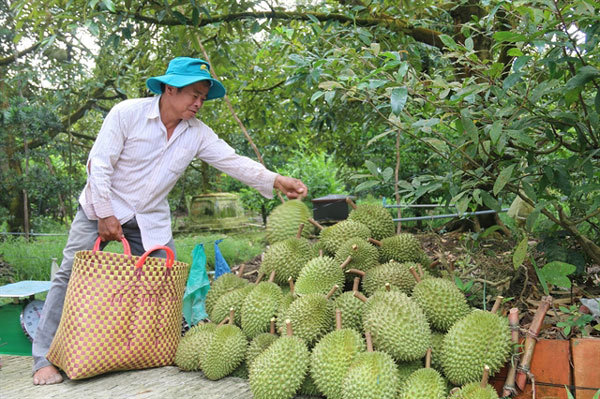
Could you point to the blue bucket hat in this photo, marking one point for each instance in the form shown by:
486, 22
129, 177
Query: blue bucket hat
184, 71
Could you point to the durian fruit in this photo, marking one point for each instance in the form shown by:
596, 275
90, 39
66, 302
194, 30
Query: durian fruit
240, 372
225, 283
375, 217
232, 299
372, 375
332, 356
397, 324
405, 369
311, 316
279, 371
397, 274
319, 275
437, 340
285, 303
478, 339
441, 300
287, 257
260, 343
187, 356
404, 247
259, 306
309, 388
351, 307
334, 236
283, 221
476, 390
425, 383
363, 255
225, 351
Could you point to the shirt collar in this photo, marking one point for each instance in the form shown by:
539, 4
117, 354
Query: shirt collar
154, 111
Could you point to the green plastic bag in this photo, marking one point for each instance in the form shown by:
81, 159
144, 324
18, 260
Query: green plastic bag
198, 285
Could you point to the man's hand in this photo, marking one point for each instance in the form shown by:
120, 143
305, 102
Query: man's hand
292, 188
109, 229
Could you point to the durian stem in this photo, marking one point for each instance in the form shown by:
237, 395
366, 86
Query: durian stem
530, 341
272, 277
414, 273
374, 241
356, 284
421, 274
360, 296
428, 359
224, 321
280, 197
356, 271
388, 287
315, 223
338, 319
231, 315
346, 262
509, 388
321, 253
260, 277
354, 247
369, 341
351, 203
486, 376
331, 291
497, 304
291, 283
288, 327
272, 326
300, 228
240, 271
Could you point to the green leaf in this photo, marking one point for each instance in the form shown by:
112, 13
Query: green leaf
543, 282
503, 178
398, 99
597, 101
496, 131
402, 70
520, 62
556, 273
584, 75
490, 201
515, 52
366, 185
469, 43
449, 42
469, 126
329, 85
109, 5
438, 144
316, 96
507, 36
387, 174
372, 167
511, 80
520, 253
376, 83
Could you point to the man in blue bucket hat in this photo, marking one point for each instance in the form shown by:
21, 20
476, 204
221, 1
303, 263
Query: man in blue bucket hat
142, 149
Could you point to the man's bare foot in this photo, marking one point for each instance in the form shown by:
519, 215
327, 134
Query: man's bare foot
47, 375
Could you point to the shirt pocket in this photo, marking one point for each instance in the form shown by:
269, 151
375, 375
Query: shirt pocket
180, 159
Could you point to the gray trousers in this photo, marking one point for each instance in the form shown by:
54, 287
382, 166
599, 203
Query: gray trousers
82, 236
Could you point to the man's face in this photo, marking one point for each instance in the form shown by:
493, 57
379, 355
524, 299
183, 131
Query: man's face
187, 101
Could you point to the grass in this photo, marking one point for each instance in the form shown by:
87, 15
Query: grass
31, 260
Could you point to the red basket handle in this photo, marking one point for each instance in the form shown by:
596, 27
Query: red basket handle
126, 247
170, 256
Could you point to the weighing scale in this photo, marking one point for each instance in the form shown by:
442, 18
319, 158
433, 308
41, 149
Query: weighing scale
19, 319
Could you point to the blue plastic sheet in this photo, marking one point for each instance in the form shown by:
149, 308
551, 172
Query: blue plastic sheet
197, 287
221, 266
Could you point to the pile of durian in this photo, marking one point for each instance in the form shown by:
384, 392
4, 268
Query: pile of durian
352, 315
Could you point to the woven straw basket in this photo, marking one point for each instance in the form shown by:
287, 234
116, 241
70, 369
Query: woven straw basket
121, 312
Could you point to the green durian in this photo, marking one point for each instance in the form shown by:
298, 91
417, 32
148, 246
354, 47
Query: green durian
311, 317
225, 283
352, 308
286, 258
404, 247
442, 302
364, 256
260, 343
405, 369
319, 275
476, 390
397, 274
284, 219
240, 372
425, 383
480, 338
259, 306
232, 299
376, 218
225, 351
334, 236
187, 356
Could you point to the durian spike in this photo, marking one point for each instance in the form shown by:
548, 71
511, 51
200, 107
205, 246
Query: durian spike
421, 274
338, 319
331, 291
300, 228
288, 327
428, 359
231, 315
369, 341
315, 223
224, 321
351, 203
260, 277
272, 277
388, 287
374, 241
346, 262
272, 326
356, 284
356, 271
415, 274
497, 304
291, 283
360, 296
240, 271
486, 375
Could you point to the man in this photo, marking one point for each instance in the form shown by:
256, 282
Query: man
142, 149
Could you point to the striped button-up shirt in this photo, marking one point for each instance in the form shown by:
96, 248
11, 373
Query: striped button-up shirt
132, 166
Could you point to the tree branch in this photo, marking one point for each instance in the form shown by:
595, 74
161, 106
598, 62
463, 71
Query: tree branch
13, 58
